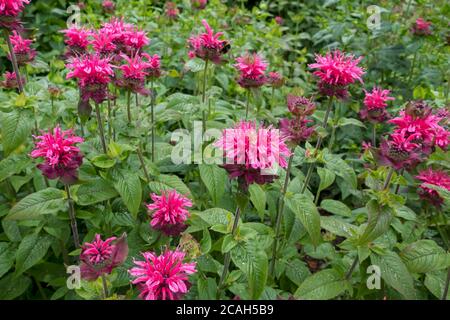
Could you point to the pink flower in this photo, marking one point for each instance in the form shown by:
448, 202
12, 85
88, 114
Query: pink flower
208, 46
172, 11
9, 10
22, 49
421, 27
169, 212
101, 257
133, 74
103, 43
10, 81
108, 6
279, 20
252, 153
252, 71
275, 79
93, 73
336, 71
300, 106
117, 29
375, 103
296, 130
400, 151
163, 277
366, 146
199, 4
77, 39
434, 177
62, 157
153, 65
135, 40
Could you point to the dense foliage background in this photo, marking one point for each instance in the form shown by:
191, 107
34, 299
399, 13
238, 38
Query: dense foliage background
321, 231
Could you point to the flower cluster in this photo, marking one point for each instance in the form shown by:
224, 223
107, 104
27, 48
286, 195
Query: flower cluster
163, 277
296, 129
169, 212
251, 154
252, 70
9, 10
336, 71
77, 40
208, 46
375, 104
433, 177
133, 74
172, 11
22, 49
62, 156
421, 27
101, 257
275, 80
108, 6
10, 81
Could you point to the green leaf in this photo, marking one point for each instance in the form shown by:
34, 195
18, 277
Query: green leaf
216, 216
306, 211
169, 182
31, 250
323, 285
47, 201
395, 273
338, 227
326, 178
425, 256
128, 185
435, 282
380, 218
12, 165
16, 128
297, 271
103, 161
350, 121
336, 207
94, 191
7, 256
215, 179
205, 243
258, 199
13, 286
341, 169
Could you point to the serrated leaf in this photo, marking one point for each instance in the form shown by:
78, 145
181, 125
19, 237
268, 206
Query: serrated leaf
297, 271
31, 250
380, 218
435, 282
338, 227
341, 169
336, 207
13, 286
12, 165
7, 256
306, 211
47, 201
425, 256
323, 285
215, 179
128, 185
15, 129
169, 182
215, 216
258, 199
326, 178
95, 191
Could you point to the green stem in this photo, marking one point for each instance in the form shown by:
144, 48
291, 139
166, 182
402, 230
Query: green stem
397, 188
374, 135
227, 257
447, 282
205, 73
153, 97
105, 286
318, 145
247, 106
129, 106
13, 60
100, 127
141, 160
280, 216
388, 179
110, 124
73, 220
349, 273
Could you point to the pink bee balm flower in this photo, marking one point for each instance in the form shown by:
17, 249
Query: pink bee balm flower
118, 30
275, 79
103, 43
153, 65
199, 4
22, 49
169, 212
433, 177
133, 74
208, 46
336, 71
300, 106
77, 40
9, 10
135, 40
108, 6
375, 103
279, 20
93, 73
172, 11
10, 81
252, 71
101, 257
400, 151
163, 277
251, 154
421, 27
296, 130
62, 157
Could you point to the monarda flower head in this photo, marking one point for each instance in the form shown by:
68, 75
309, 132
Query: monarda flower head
208, 46
163, 277
103, 43
135, 40
433, 177
296, 130
108, 6
421, 27
252, 70
133, 74
336, 71
101, 257
252, 154
77, 40
375, 104
10, 81
172, 11
62, 157
9, 10
117, 29
22, 49
400, 151
153, 65
93, 73
275, 80
169, 212
300, 106
199, 4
